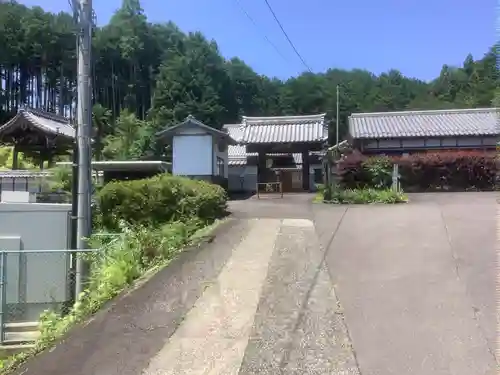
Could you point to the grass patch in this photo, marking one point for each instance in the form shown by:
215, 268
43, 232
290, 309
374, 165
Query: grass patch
129, 260
318, 197
366, 196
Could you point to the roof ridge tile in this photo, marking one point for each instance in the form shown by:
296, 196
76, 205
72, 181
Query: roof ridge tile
442, 123
426, 112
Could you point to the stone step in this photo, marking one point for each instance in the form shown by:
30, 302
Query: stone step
21, 333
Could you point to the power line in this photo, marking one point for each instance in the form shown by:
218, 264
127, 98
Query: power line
238, 2
286, 35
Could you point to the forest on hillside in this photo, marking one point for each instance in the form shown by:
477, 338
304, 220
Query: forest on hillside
148, 75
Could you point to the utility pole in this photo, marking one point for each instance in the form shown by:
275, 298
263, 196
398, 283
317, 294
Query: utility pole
84, 118
337, 118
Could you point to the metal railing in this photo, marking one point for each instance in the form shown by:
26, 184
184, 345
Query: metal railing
31, 282
269, 188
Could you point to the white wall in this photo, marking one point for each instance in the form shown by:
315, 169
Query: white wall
192, 155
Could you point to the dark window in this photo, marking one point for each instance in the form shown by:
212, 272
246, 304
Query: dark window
318, 176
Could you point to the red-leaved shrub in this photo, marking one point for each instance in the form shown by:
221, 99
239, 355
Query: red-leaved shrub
451, 170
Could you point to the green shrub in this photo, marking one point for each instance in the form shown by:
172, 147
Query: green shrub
158, 200
379, 171
320, 187
364, 196
60, 180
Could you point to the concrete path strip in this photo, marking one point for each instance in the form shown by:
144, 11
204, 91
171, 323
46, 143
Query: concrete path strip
298, 328
213, 337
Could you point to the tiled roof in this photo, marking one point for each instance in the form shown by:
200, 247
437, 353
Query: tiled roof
441, 123
191, 121
284, 129
237, 155
239, 151
46, 122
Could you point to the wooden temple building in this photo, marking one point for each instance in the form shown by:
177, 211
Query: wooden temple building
38, 134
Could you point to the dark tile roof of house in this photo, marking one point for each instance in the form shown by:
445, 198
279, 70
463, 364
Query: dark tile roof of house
439, 123
237, 154
284, 129
46, 122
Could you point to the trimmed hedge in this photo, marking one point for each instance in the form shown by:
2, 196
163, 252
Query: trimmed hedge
161, 199
453, 170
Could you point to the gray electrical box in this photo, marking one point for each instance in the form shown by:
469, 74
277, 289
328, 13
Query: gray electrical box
35, 236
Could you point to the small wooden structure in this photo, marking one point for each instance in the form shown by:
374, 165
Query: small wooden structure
289, 135
38, 134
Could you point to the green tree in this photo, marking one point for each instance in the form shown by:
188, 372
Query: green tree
196, 83
159, 75
129, 138
101, 118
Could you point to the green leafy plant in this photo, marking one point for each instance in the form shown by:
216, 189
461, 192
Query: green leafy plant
379, 171
6, 159
159, 200
365, 196
320, 187
60, 179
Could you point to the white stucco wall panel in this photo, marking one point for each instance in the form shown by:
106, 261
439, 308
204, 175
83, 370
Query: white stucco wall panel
192, 155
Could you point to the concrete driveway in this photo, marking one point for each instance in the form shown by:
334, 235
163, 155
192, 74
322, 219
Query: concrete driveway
416, 282
290, 287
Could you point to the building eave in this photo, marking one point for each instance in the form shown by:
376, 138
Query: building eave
168, 133
45, 122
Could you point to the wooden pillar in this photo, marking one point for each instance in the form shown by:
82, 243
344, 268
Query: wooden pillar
42, 159
50, 160
305, 171
15, 158
261, 167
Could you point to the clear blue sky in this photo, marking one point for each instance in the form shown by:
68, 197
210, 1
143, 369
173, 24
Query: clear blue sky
415, 36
